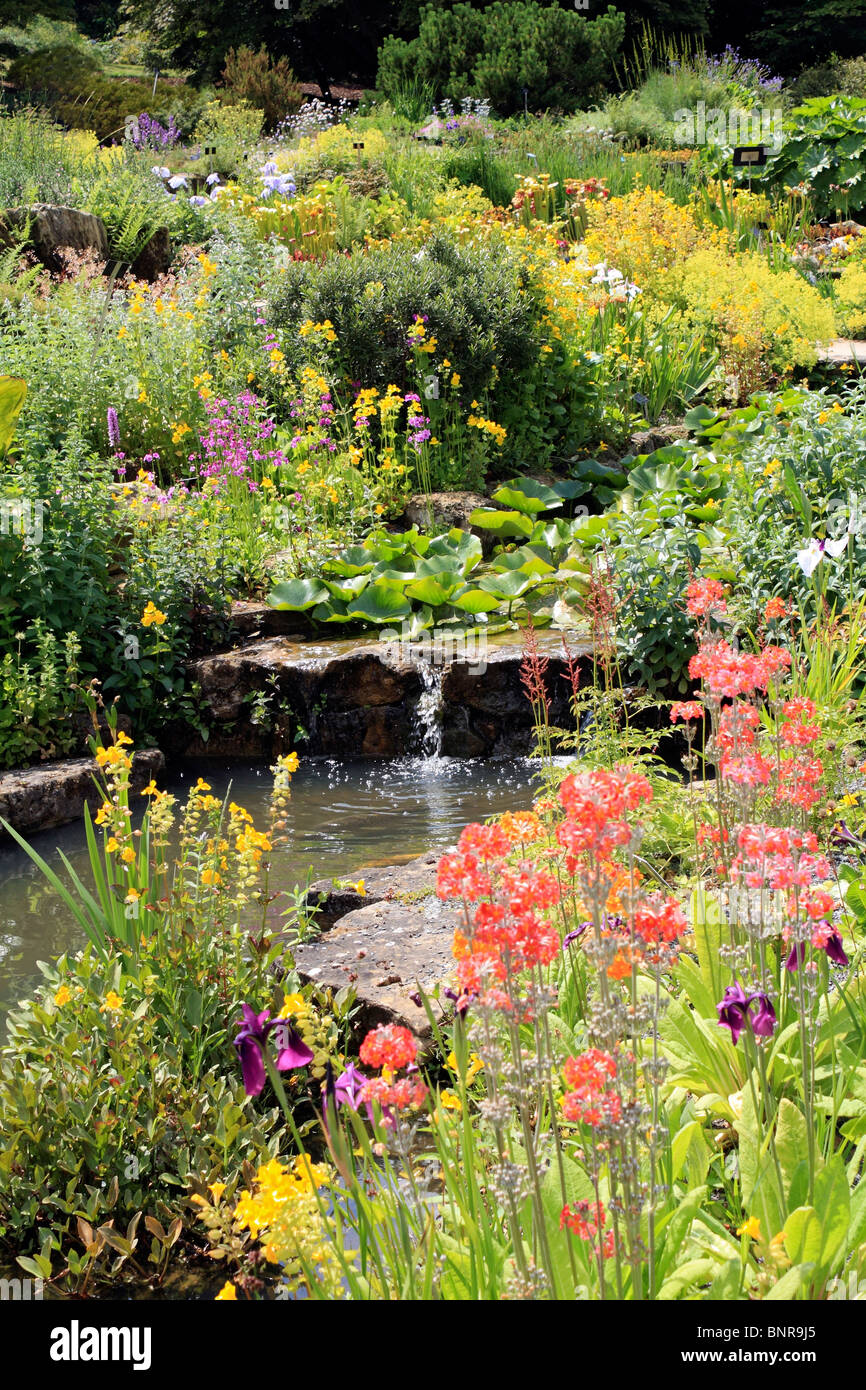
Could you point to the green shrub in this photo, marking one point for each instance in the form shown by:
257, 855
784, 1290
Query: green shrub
110, 1111
252, 77
480, 302
562, 59
229, 130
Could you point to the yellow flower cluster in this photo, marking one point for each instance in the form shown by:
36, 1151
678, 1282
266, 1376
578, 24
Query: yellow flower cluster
497, 432
309, 329
284, 1212
152, 617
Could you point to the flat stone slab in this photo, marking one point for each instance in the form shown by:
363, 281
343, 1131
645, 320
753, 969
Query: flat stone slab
39, 798
404, 883
385, 951
843, 350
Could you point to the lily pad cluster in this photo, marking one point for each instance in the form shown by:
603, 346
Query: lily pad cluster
411, 578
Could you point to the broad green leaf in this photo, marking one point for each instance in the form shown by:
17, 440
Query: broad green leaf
475, 601
434, 589
380, 603
296, 595
790, 1284
506, 586
503, 524
13, 392
527, 496
791, 1141
460, 548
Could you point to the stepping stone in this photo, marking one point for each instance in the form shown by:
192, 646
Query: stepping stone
843, 350
386, 952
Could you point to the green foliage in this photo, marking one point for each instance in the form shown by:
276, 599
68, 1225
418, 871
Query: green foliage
39, 697
562, 59
825, 148
481, 305
37, 163
270, 87
230, 130
119, 1110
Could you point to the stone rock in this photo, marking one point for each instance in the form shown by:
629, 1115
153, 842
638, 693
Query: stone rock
487, 713
39, 798
405, 883
658, 437
443, 511
53, 228
255, 618
338, 698
345, 698
385, 951
154, 258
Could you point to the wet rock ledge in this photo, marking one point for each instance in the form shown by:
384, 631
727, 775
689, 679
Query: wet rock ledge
345, 699
40, 798
398, 941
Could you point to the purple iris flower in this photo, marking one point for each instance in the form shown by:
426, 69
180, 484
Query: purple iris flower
763, 1020
576, 934
460, 1001
735, 1012
252, 1040
840, 834
833, 946
796, 956
348, 1086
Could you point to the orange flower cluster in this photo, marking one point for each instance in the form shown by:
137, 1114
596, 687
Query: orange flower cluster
576, 1218
591, 1098
727, 673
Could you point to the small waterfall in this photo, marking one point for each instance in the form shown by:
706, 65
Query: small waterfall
428, 711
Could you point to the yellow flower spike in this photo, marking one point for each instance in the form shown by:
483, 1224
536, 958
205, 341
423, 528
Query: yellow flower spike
113, 1003
63, 996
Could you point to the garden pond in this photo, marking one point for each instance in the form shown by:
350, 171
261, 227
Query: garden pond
346, 815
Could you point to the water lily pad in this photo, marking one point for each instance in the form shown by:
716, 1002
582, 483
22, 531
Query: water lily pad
381, 602
506, 525
528, 496
475, 601
296, 595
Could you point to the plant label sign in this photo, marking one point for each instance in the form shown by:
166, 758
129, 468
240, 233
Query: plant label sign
750, 156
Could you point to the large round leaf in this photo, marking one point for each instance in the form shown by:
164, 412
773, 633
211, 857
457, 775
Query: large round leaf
528, 496
433, 588
356, 560
506, 586
476, 601
458, 546
503, 524
381, 602
296, 595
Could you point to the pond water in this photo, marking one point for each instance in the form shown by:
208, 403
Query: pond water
345, 816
